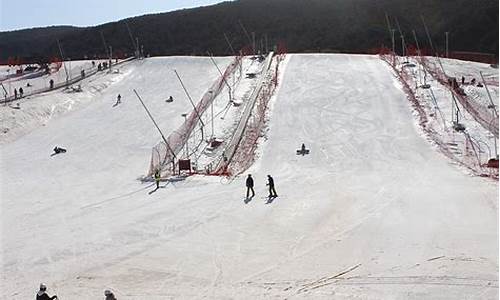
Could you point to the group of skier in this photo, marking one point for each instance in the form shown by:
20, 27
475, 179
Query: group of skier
20, 94
42, 294
270, 184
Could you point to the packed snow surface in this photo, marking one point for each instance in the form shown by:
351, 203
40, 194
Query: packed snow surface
373, 212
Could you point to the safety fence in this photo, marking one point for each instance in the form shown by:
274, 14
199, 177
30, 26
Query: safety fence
57, 85
163, 158
232, 146
480, 113
471, 159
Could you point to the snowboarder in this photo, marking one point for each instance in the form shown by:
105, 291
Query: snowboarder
118, 99
15, 93
157, 178
249, 184
109, 295
170, 99
42, 295
21, 92
58, 150
303, 148
270, 183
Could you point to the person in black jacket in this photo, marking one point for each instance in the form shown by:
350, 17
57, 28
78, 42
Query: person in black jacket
109, 295
249, 184
270, 183
42, 295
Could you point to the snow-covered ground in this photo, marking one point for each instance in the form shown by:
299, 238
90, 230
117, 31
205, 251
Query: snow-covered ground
374, 212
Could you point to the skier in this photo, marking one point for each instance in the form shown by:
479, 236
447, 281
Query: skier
157, 178
249, 184
170, 99
42, 295
270, 183
463, 80
15, 93
21, 92
51, 83
109, 295
118, 99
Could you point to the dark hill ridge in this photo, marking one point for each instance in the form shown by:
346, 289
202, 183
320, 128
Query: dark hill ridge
304, 25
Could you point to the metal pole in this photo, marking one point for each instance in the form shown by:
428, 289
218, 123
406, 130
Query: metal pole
446, 35
212, 109
229, 43
110, 57
64, 64
132, 38
154, 122
104, 42
187, 139
253, 42
418, 54
393, 31
489, 95
428, 35
222, 75
190, 100
245, 31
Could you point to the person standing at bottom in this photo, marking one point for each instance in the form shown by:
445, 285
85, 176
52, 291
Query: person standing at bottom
270, 183
42, 295
249, 184
157, 178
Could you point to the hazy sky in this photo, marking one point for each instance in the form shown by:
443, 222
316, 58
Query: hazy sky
20, 14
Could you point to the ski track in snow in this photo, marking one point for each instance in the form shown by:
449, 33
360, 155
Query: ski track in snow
373, 212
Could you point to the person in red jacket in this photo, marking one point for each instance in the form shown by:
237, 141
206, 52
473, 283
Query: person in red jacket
42, 295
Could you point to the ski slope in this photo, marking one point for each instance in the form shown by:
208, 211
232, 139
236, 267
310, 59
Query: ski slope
374, 212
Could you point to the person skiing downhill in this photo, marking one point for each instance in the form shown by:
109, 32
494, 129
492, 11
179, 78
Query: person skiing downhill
119, 99
42, 295
249, 184
109, 295
270, 183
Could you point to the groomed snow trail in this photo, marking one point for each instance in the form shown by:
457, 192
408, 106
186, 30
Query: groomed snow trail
374, 212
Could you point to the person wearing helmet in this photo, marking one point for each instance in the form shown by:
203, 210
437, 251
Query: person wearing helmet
109, 295
42, 295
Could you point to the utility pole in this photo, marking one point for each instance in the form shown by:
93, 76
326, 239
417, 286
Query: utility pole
135, 45
194, 107
393, 31
110, 57
253, 42
222, 75
446, 37
187, 139
230, 45
428, 35
64, 64
246, 32
104, 42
